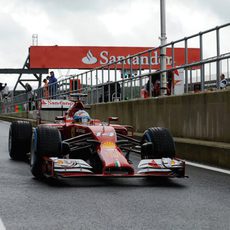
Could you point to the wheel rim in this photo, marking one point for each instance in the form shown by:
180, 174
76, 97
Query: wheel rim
33, 148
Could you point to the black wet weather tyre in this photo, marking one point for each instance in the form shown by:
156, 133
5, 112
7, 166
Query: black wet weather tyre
36, 163
48, 141
19, 143
162, 143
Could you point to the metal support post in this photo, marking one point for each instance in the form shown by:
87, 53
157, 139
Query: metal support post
218, 54
163, 39
91, 83
186, 62
202, 66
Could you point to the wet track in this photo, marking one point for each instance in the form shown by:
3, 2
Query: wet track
200, 202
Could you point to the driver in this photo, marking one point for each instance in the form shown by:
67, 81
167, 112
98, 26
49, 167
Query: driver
81, 116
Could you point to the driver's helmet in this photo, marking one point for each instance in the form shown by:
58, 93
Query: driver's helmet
81, 116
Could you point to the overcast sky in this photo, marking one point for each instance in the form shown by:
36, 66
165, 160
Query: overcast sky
98, 23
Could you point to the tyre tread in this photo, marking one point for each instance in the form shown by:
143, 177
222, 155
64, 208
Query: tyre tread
163, 144
21, 133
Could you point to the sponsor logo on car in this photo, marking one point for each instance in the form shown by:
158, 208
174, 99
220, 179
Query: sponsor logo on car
108, 144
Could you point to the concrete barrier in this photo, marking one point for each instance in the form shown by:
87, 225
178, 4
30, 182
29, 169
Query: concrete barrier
206, 152
203, 116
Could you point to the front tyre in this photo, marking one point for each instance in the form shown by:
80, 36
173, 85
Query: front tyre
157, 142
46, 141
35, 158
49, 141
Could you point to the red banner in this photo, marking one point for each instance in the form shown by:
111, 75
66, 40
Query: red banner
89, 57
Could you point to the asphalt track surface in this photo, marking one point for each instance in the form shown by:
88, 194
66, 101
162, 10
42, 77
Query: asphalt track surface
200, 202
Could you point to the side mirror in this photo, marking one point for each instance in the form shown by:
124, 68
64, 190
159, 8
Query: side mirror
112, 119
59, 118
130, 130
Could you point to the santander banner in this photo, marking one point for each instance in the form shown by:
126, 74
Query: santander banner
89, 57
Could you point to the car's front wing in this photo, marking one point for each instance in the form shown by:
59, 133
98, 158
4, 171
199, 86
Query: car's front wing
165, 167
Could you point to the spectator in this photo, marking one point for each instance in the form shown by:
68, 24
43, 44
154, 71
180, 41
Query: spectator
148, 89
5, 91
52, 85
29, 94
46, 88
157, 88
154, 88
1, 86
1, 89
28, 87
197, 87
223, 81
144, 93
170, 77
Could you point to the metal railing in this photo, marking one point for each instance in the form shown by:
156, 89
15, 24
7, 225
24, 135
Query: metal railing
123, 78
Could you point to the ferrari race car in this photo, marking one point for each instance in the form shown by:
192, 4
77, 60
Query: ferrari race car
88, 147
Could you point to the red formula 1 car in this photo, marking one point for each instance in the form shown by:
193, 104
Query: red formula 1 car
80, 147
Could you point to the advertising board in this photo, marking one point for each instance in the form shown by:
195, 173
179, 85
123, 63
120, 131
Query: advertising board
89, 57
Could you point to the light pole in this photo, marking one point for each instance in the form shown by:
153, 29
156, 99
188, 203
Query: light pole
163, 39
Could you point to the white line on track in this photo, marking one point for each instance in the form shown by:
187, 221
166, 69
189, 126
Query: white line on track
2, 227
208, 167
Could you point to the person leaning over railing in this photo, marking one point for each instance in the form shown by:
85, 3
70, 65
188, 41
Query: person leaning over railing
5, 92
1, 90
153, 89
29, 95
52, 85
46, 89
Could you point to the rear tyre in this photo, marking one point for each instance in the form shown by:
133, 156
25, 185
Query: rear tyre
157, 142
46, 142
19, 143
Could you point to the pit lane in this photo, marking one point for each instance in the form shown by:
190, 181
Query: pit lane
200, 202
